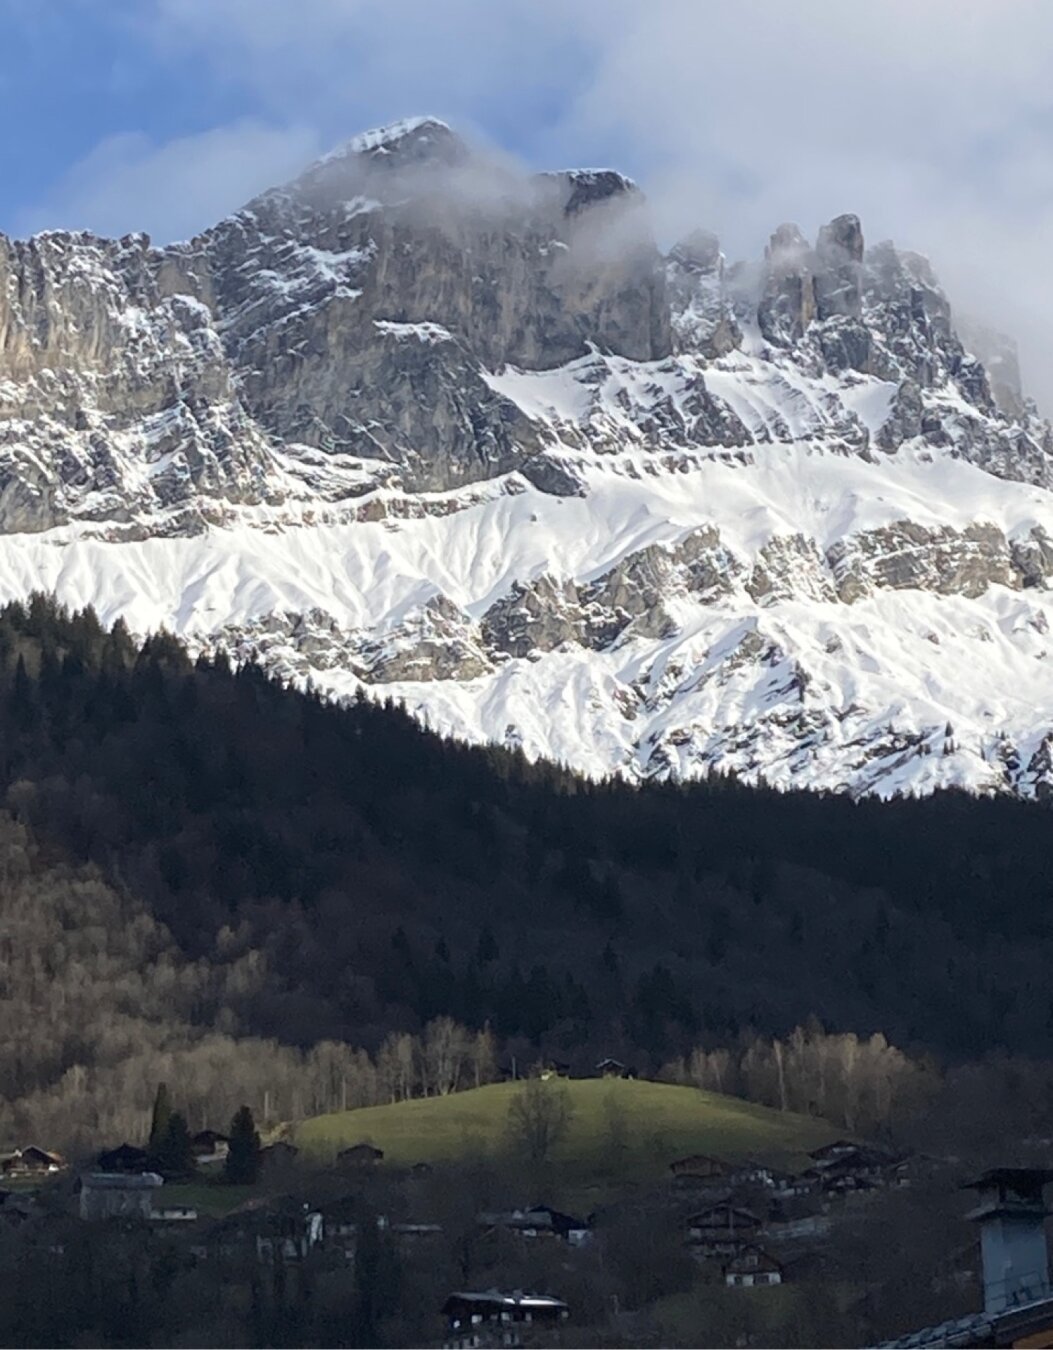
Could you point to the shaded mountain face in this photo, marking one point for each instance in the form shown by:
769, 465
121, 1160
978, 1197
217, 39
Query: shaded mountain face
467, 437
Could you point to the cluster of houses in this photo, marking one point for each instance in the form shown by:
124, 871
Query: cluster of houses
758, 1221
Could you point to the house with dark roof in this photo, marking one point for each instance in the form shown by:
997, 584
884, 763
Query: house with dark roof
31, 1161
721, 1230
124, 1158
360, 1155
492, 1317
752, 1267
614, 1068
540, 1221
278, 1155
842, 1166
700, 1167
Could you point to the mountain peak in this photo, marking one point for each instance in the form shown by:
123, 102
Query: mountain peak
410, 138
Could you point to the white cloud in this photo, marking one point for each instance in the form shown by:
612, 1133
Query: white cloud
932, 119
174, 189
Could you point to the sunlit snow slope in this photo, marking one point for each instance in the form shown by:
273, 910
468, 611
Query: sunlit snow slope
503, 460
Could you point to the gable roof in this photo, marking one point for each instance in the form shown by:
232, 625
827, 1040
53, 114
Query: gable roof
753, 1257
731, 1213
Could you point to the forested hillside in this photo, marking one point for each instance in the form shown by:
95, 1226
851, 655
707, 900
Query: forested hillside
309, 872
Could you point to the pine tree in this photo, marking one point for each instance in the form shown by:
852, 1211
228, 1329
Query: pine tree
174, 1156
161, 1118
242, 1166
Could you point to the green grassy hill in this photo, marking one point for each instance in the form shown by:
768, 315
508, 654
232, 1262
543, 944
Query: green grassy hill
626, 1131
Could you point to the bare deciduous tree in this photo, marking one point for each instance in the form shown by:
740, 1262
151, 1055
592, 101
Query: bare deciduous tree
539, 1118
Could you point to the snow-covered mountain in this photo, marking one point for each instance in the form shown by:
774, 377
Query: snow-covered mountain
417, 423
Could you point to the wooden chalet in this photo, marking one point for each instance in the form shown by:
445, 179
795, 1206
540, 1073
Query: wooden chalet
492, 1318
614, 1068
752, 1267
699, 1167
842, 1166
540, 1221
360, 1155
31, 1162
722, 1230
125, 1158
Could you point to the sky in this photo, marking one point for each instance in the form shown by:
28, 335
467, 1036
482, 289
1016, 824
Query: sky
931, 119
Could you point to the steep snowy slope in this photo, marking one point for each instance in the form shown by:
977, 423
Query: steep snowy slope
415, 424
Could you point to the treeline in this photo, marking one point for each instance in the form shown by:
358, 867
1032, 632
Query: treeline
998, 1105
336, 874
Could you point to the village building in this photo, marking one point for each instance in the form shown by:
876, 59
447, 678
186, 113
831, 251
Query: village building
31, 1162
700, 1167
614, 1068
282, 1231
174, 1214
721, 1230
752, 1267
360, 1155
209, 1146
125, 1158
493, 1318
540, 1221
111, 1195
842, 1167
1017, 1292
278, 1155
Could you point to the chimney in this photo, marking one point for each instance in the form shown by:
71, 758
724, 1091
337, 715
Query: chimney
1011, 1215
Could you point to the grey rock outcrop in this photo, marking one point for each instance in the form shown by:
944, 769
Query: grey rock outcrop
702, 315
910, 556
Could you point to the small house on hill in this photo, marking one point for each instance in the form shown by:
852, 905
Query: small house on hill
552, 1068
31, 1162
360, 1155
751, 1267
837, 1148
278, 1155
209, 1146
700, 1167
125, 1158
614, 1068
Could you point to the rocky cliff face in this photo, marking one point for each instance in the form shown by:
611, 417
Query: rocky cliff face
420, 423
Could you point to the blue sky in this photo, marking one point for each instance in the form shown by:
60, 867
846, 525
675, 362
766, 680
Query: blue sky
932, 119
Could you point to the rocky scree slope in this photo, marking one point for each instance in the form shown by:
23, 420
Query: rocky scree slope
418, 423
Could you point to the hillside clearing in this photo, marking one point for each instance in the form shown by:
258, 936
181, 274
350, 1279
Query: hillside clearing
624, 1130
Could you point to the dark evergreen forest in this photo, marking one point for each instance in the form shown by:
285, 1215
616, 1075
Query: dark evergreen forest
387, 876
